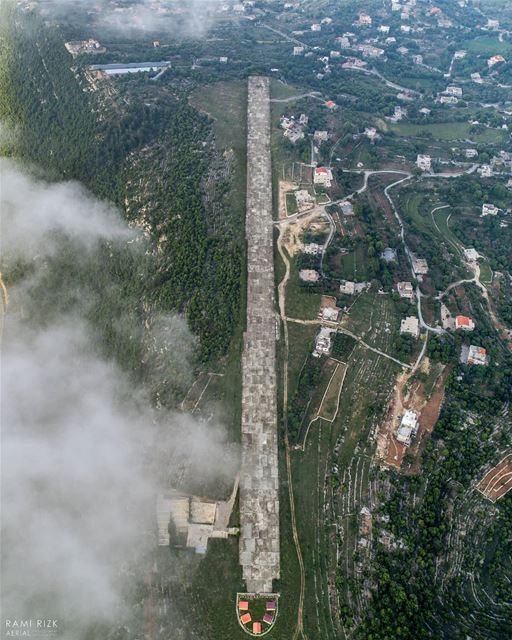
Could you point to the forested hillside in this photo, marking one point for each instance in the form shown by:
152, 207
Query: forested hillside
144, 148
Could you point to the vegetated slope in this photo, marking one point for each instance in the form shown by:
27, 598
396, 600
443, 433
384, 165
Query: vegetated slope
143, 147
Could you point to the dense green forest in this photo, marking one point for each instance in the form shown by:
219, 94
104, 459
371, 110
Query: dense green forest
407, 593
144, 148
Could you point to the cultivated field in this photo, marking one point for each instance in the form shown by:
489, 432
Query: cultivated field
498, 481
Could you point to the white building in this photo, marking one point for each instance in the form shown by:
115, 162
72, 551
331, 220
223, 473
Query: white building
304, 199
477, 78
312, 249
298, 51
405, 290
347, 208
309, 275
410, 325
424, 162
493, 24
316, 27
477, 355
364, 20
321, 136
448, 100
369, 51
347, 288
371, 133
419, 266
485, 170
79, 47
471, 254
408, 427
354, 63
343, 42
331, 314
399, 114
384, 28
452, 90
489, 210
323, 176
388, 255
495, 60
323, 343
294, 133
471, 153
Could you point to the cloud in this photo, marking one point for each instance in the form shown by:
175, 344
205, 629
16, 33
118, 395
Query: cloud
35, 212
81, 471
84, 452
190, 19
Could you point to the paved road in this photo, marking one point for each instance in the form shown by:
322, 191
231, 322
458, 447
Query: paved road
335, 326
388, 83
312, 94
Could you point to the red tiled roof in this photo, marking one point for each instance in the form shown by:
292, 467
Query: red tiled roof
256, 627
463, 321
246, 618
321, 170
243, 605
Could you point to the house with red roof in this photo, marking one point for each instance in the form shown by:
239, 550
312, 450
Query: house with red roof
464, 323
323, 176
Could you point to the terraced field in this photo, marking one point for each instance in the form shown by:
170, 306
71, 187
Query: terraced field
332, 474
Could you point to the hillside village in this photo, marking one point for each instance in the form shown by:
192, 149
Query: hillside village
390, 145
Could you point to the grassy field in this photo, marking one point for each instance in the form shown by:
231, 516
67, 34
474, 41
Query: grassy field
448, 131
291, 204
354, 264
212, 594
485, 272
226, 104
301, 338
279, 90
300, 303
442, 220
488, 45
329, 405
331, 485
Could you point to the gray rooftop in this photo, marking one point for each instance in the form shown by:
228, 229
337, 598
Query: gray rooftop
128, 65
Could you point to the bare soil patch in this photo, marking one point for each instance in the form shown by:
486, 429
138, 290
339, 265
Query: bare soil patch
389, 450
